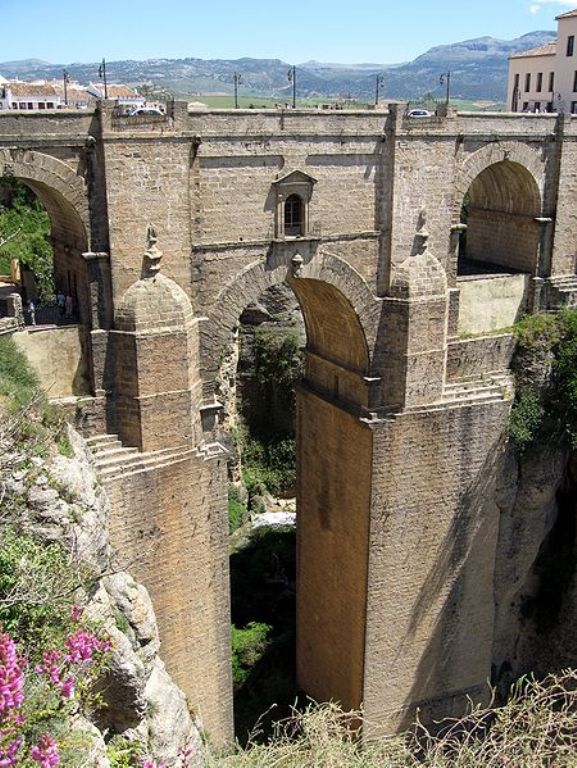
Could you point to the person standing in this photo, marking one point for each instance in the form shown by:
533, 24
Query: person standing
68, 304
31, 309
61, 303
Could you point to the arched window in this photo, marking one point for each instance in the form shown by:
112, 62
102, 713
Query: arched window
294, 215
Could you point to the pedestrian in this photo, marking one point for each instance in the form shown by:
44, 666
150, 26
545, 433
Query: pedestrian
68, 305
31, 309
61, 303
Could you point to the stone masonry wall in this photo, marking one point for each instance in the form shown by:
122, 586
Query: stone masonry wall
433, 532
333, 495
170, 524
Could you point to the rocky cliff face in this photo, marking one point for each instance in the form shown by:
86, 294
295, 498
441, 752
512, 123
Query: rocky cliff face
59, 499
535, 590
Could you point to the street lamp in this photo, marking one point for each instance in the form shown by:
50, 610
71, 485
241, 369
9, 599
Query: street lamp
237, 79
66, 80
446, 78
379, 82
102, 76
292, 78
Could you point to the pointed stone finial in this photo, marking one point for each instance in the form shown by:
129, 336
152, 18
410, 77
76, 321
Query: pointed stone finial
153, 254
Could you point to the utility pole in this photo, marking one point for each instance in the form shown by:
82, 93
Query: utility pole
66, 80
102, 76
379, 82
446, 78
292, 78
237, 80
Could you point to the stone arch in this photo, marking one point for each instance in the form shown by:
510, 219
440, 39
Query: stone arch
333, 455
64, 196
62, 192
503, 200
328, 279
491, 154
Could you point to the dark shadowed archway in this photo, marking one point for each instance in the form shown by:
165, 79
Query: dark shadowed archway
499, 209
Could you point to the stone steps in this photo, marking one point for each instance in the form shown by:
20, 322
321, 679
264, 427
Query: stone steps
113, 460
470, 391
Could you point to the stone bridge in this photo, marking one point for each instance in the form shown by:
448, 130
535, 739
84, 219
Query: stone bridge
410, 245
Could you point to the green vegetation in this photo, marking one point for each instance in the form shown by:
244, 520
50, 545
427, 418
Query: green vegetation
37, 587
25, 233
237, 510
545, 367
267, 441
248, 646
263, 611
18, 384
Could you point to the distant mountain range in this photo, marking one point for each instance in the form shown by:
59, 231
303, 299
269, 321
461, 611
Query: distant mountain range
478, 72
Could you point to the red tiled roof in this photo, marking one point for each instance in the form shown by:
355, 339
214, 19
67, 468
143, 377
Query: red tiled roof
27, 89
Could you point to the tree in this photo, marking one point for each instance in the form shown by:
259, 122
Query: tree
25, 234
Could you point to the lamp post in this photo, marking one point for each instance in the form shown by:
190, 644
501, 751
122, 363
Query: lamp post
379, 82
292, 78
66, 80
102, 76
237, 79
446, 78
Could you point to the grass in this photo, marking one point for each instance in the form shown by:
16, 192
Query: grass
537, 728
17, 381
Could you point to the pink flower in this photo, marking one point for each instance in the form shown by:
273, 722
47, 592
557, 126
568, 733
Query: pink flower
152, 764
76, 613
11, 676
67, 687
82, 645
45, 752
9, 756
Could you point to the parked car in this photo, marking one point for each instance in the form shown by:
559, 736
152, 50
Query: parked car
146, 111
419, 113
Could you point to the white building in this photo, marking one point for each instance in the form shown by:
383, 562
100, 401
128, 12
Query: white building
123, 95
28, 96
544, 79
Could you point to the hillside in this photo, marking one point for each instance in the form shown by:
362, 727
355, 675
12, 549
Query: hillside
478, 69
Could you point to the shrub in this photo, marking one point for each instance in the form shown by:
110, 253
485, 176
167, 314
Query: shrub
17, 381
248, 645
535, 729
545, 368
237, 511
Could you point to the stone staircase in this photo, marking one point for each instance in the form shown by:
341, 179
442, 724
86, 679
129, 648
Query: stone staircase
491, 388
563, 290
112, 460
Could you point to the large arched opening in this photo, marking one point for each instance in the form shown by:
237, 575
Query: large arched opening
333, 471
500, 247
45, 238
499, 210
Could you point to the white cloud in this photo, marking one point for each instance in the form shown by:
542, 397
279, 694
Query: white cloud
536, 7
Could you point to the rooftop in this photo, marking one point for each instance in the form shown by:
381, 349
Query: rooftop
566, 15
30, 89
549, 49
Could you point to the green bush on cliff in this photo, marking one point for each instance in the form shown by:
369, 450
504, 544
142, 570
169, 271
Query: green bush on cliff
545, 368
18, 384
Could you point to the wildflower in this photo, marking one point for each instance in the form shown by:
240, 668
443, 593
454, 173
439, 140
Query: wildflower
11, 676
67, 687
9, 754
82, 646
76, 613
45, 752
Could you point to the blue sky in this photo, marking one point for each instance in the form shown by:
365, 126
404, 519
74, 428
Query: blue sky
381, 31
